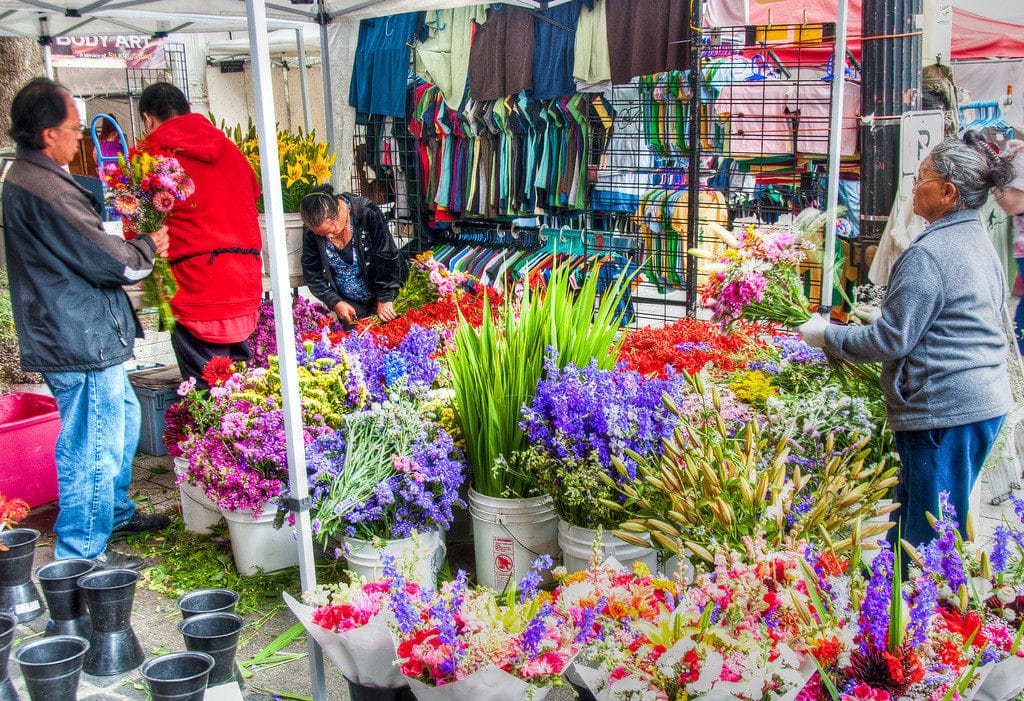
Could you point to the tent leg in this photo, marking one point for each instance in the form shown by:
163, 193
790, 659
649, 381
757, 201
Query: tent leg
307, 116
266, 130
835, 134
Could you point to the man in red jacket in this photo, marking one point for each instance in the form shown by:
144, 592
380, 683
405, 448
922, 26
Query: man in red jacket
214, 235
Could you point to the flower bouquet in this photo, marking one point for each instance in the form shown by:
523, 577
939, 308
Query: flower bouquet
734, 633
143, 188
428, 281
387, 475
756, 279
350, 623
461, 644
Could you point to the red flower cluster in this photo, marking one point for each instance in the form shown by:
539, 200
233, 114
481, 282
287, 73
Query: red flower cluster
444, 313
691, 344
342, 618
11, 511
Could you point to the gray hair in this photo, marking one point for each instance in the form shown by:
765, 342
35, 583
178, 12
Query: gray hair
973, 167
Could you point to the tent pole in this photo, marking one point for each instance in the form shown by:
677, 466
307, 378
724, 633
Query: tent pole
45, 41
307, 116
323, 19
835, 133
273, 206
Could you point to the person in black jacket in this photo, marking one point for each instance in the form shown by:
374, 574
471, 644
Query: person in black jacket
75, 323
349, 259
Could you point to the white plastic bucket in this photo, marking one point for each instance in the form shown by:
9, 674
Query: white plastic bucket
257, 545
419, 557
197, 510
508, 535
578, 547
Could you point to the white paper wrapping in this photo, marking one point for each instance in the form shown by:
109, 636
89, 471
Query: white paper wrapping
365, 655
489, 684
1003, 681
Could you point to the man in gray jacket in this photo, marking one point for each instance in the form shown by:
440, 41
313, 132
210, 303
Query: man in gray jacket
940, 340
75, 323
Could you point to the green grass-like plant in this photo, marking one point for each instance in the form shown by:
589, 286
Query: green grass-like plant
495, 368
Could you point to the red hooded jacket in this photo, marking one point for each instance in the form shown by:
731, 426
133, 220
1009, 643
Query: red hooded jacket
215, 239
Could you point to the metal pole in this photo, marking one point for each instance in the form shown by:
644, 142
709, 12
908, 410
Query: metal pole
891, 86
273, 206
835, 133
45, 40
323, 19
307, 115
693, 168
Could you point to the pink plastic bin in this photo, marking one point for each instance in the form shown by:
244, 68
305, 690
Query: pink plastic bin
29, 424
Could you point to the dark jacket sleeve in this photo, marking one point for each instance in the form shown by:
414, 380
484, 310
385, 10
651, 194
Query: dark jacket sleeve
386, 274
313, 271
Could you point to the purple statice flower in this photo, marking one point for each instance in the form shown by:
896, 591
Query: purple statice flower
800, 508
325, 458
794, 350
444, 611
533, 634
922, 610
940, 555
692, 346
874, 610
410, 368
309, 317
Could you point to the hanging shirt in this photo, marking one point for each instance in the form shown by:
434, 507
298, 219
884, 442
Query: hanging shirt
647, 36
501, 58
347, 272
380, 69
591, 63
443, 58
554, 50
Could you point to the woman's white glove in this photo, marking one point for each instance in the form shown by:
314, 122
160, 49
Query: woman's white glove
812, 331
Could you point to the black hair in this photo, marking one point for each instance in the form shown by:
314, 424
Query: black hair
163, 101
319, 205
41, 104
973, 166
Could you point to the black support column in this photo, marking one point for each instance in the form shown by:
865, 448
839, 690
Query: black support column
891, 57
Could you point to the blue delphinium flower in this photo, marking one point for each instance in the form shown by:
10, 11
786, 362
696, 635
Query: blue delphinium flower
533, 634
922, 610
794, 350
528, 584
940, 555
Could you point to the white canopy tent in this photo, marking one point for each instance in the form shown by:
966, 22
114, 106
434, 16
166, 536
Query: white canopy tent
337, 21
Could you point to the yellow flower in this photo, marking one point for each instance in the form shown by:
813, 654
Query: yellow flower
321, 171
294, 174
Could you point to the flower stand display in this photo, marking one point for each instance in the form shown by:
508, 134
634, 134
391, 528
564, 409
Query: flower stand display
197, 510
421, 555
509, 534
255, 543
578, 547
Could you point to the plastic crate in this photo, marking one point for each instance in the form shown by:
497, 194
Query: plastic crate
29, 424
156, 390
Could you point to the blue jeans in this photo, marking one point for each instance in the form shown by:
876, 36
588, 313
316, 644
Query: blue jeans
934, 461
100, 421
1018, 319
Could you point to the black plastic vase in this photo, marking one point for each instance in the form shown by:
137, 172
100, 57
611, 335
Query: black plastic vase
216, 634
358, 692
64, 598
51, 667
8, 624
207, 601
180, 676
18, 595
113, 646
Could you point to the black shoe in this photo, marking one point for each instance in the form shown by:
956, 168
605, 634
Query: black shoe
140, 523
113, 560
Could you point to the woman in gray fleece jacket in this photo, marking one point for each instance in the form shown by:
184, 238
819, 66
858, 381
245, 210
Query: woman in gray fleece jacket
939, 338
